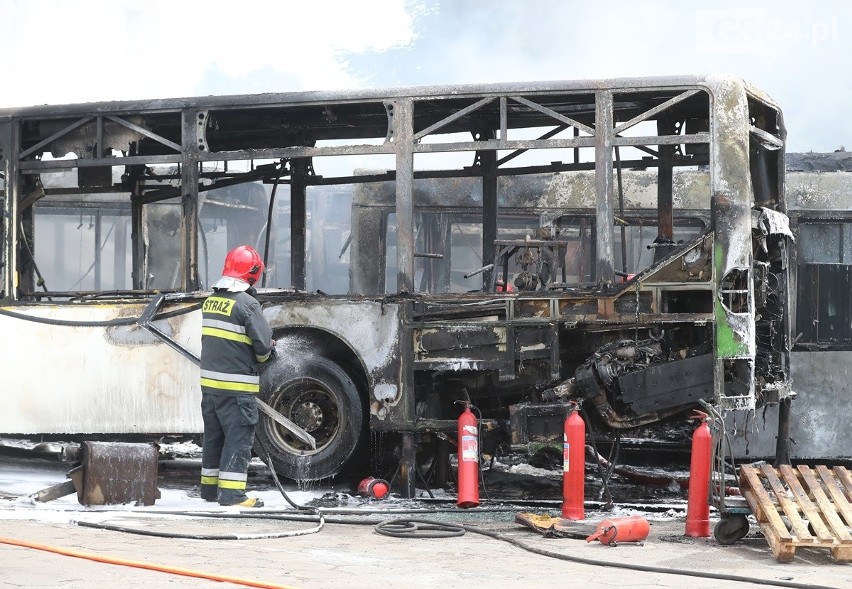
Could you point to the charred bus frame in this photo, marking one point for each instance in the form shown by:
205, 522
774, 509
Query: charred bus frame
397, 361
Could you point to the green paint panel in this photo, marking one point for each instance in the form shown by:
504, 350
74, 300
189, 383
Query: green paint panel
728, 343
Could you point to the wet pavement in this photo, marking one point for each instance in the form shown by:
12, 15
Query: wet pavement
353, 554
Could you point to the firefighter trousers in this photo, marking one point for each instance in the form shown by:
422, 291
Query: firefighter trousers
229, 425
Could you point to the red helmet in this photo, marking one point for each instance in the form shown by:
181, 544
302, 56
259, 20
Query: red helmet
243, 262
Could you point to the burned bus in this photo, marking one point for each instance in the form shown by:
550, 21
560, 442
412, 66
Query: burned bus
623, 244
819, 196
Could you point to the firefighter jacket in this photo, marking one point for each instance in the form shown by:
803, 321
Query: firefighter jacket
235, 336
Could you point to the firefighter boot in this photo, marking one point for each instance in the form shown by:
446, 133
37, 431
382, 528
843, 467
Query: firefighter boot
209, 492
247, 502
251, 502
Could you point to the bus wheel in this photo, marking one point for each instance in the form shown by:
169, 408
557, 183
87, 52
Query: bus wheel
317, 395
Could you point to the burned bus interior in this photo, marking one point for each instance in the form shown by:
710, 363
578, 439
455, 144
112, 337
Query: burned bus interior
622, 243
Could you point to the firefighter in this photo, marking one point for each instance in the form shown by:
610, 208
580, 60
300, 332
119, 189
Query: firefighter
235, 337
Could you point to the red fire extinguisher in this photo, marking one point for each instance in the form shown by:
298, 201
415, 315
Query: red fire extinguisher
373, 488
698, 503
468, 453
631, 528
574, 466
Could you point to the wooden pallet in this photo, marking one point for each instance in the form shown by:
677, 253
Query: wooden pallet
815, 503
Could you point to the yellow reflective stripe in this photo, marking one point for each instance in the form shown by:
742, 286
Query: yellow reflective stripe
228, 377
226, 325
244, 387
238, 485
209, 480
237, 337
234, 476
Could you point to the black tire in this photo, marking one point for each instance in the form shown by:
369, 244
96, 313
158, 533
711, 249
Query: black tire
320, 397
730, 529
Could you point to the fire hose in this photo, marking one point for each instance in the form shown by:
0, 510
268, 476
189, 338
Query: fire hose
265, 536
142, 565
435, 527
400, 528
420, 528
425, 528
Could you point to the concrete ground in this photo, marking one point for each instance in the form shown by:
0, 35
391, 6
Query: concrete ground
345, 556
